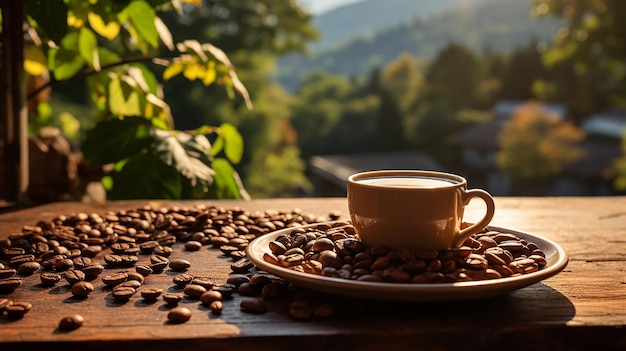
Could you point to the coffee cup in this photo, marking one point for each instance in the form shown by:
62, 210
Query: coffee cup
413, 209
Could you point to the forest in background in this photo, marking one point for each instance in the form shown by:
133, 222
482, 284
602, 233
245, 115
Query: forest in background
411, 102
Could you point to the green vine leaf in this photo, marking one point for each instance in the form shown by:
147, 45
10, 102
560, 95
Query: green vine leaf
227, 184
144, 176
88, 48
114, 140
186, 155
230, 141
141, 17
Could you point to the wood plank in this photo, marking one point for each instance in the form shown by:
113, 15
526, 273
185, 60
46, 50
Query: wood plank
584, 301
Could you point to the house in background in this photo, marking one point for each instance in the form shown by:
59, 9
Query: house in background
592, 175
332, 171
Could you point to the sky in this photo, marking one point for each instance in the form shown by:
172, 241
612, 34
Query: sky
317, 7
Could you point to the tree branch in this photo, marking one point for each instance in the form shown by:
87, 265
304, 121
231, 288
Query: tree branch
87, 73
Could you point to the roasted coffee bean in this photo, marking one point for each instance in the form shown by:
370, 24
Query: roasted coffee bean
225, 289
210, 296
272, 290
9, 284
179, 315
194, 291
205, 282
163, 251
253, 305
17, 309
242, 265
179, 265
71, 322
93, 270
249, 289
7, 273
91, 251
151, 294
113, 260
49, 278
128, 284
216, 307
182, 279
28, 268
123, 293
74, 276
238, 279
135, 276
114, 279
82, 289
143, 270
193, 245
301, 309
172, 298
81, 262
148, 246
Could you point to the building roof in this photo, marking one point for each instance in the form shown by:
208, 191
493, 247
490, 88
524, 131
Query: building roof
337, 168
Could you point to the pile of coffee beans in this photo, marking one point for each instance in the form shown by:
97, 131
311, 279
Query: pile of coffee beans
92, 250
335, 250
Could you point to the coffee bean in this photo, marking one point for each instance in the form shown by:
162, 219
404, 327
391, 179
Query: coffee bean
114, 279
123, 293
237, 279
193, 245
63, 265
18, 309
143, 270
205, 282
179, 265
194, 291
242, 265
7, 273
93, 270
253, 305
216, 307
151, 294
82, 289
49, 278
209, 296
225, 289
71, 322
172, 298
182, 279
10, 284
4, 302
74, 276
179, 315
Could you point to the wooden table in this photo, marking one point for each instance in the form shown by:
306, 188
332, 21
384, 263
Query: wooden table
583, 307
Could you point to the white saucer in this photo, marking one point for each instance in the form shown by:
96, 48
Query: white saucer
555, 256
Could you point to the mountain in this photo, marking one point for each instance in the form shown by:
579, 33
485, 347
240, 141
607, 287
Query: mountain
370, 16
498, 25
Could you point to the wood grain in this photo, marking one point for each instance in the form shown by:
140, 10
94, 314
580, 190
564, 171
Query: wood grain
582, 307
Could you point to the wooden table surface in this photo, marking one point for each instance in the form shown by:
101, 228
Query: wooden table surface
583, 307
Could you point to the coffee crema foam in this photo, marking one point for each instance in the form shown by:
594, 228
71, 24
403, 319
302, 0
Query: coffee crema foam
408, 182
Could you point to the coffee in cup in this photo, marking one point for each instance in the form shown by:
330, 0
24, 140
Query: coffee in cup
413, 209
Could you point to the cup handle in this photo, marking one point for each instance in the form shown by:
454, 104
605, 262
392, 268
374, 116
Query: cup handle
480, 225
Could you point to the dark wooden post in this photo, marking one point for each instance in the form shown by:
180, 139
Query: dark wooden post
13, 124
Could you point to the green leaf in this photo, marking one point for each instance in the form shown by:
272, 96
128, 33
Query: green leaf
114, 140
182, 152
231, 141
144, 176
107, 56
50, 15
173, 69
123, 99
142, 16
227, 184
88, 48
64, 63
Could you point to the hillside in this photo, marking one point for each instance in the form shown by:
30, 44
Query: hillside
370, 16
500, 25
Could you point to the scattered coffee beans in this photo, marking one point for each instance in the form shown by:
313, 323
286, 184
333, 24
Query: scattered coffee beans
71, 322
179, 315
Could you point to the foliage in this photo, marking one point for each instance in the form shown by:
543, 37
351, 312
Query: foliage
620, 167
535, 145
112, 44
587, 55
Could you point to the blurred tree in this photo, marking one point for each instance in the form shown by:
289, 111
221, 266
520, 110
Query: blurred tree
523, 68
620, 167
454, 76
254, 33
535, 145
587, 56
